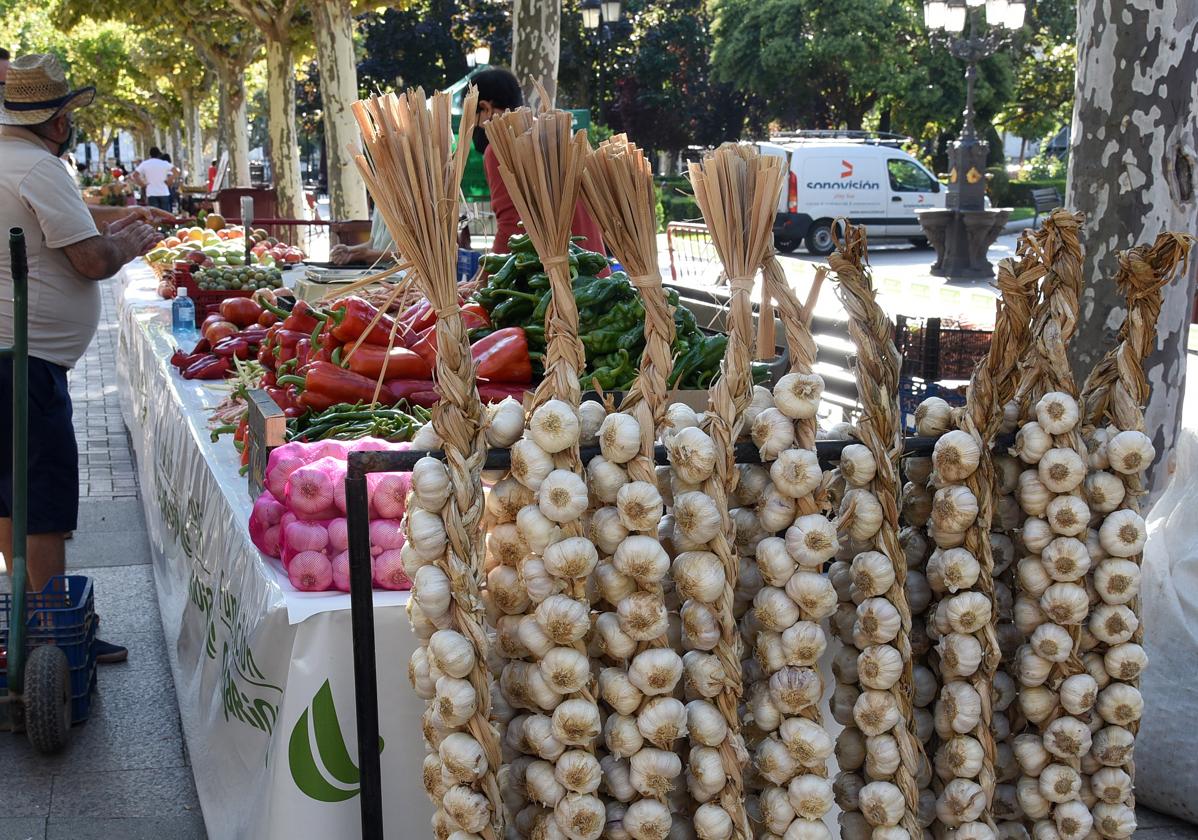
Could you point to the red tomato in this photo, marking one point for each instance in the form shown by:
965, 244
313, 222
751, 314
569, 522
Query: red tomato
214, 332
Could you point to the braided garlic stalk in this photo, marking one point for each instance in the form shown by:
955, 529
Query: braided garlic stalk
882, 627
1053, 605
1115, 394
556, 682
418, 200
736, 189
642, 770
785, 623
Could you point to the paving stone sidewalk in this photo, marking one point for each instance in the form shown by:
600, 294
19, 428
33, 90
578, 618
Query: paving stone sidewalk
125, 774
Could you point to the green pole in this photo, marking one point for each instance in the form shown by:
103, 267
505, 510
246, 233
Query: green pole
20, 469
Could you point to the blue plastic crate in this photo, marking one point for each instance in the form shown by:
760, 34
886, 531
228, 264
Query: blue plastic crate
62, 614
914, 391
468, 262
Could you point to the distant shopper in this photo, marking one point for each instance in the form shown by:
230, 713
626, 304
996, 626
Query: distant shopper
3, 69
67, 255
156, 176
499, 91
173, 182
379, 246
211, 175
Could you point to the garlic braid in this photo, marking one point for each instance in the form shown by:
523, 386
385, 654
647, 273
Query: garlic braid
784, 625
1114, 394
879, 429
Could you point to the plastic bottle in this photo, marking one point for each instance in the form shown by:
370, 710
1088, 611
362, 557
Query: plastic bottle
183, 315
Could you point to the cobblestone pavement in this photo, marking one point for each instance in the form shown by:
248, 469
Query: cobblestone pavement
105, 460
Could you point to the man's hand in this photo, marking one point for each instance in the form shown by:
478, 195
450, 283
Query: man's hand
341, 254
153, 215
132, 236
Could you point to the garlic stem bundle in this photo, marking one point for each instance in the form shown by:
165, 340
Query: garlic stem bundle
881, 700
1113, 397
414, 177
785, 626
541, 163
618, 186
736, 189
1052, 608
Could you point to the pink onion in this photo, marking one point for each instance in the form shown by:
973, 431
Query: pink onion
310, 571
301, 536
391, 494
338, 534
385, 535
283, 461
311, 489
341, 572
388, 571
266, 514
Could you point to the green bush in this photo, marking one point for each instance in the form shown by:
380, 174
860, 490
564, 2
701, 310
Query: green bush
1021, 191
677, 202
998, 185
1048, 166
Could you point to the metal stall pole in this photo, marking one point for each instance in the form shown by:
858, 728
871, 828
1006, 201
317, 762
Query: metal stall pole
19, 353
366, 692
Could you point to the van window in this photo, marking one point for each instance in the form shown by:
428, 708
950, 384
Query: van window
905, 176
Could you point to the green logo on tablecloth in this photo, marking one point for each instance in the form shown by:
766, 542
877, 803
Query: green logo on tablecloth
321, 775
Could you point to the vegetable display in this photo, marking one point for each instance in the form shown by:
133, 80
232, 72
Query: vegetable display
611, 318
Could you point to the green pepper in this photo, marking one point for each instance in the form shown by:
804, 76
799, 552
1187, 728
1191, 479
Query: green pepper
609, 376
633, 338
591, 263
538, 282
520, 243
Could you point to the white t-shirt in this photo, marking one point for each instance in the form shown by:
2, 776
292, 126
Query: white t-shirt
39, 196
155, 172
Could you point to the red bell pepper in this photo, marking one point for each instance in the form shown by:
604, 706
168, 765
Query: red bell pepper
183, 360
424, 345
303, 318
266, 356
303, 352
502, 356
493, 392
315, 401
202, 346
354, 315
234, 345
401, 363
209, 367
474, 316
418, 317
336, 383
416, 391
268, 380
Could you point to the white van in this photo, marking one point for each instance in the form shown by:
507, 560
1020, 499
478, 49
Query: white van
869, 181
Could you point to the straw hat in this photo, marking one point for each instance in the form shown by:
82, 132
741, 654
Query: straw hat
37, 91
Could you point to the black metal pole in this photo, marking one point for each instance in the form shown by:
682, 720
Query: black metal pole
366, 693
20, 466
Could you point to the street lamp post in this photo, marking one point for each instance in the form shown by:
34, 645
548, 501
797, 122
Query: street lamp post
963, 231
599, 17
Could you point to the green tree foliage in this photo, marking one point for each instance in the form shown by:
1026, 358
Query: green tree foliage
410, 46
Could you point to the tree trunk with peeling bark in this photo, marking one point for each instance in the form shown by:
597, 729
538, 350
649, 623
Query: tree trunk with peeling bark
1133, 171
192, 163
536, 46
334, 30
284, 145
236, 128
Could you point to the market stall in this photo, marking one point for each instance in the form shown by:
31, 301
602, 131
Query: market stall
262, 671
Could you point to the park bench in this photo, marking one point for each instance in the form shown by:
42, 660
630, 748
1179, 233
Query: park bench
1044, 200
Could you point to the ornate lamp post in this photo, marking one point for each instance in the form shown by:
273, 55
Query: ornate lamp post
963, 231
599, 18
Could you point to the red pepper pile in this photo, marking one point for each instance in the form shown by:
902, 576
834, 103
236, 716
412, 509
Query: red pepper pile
236, 331
312, 365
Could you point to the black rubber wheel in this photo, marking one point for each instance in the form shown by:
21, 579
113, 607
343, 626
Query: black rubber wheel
787, 246
819, 239
920, 242
47, 699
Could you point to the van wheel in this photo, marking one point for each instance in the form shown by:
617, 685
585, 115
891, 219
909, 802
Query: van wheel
819, 239
920, 242
787, 246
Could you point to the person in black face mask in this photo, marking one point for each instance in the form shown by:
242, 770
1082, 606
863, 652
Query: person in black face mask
499, 91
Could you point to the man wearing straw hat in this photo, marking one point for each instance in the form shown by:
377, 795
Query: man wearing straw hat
67, 254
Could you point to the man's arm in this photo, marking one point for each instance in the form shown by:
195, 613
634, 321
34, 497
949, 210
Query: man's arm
105, 215
99, 257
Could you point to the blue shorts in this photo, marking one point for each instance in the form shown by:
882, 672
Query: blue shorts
53, 488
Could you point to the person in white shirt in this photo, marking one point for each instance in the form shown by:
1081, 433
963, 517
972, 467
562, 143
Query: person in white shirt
156, 175
67, 253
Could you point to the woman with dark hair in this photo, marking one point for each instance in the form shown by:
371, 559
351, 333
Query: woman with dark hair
499, 91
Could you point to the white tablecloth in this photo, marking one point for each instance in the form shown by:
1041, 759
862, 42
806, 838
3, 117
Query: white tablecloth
263, 673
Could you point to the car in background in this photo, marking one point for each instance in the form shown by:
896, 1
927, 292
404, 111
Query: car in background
864, 177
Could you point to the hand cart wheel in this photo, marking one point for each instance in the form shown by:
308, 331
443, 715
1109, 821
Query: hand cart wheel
39, 684
47, 699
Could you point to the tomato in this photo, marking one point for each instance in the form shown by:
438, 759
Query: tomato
241, 311
214, 318
217, 330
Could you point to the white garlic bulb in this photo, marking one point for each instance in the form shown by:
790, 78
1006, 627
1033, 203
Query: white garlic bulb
620, 437
1057, 412
933, 417
1130, 452
797, 395
812, 540
956, 455
1061, 470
